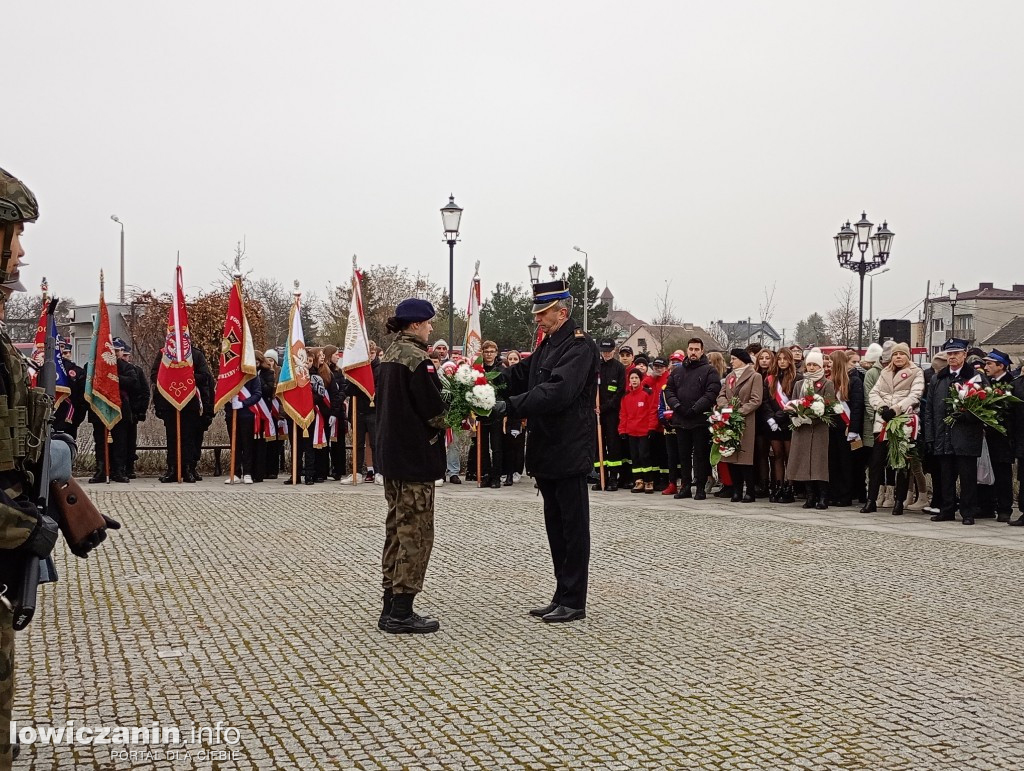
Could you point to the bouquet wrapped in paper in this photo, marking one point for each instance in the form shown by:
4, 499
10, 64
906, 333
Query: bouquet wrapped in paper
901, 434
813, 406
467, 390
726, 431
967, 399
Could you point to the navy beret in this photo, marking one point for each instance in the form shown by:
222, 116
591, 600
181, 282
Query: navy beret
414, 309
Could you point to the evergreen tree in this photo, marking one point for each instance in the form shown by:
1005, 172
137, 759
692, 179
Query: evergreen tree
505, 317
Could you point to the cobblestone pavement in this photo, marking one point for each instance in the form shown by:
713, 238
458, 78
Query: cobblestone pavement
718, 636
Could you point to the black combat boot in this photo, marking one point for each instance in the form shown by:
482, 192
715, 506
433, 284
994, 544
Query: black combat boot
389, 599
822, 503
812, 496
613, 482
402, 620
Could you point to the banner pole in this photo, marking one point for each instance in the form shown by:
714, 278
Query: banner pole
295, 452
106, 453
479, 470
177, 434
600, 437
234, 433
355, 450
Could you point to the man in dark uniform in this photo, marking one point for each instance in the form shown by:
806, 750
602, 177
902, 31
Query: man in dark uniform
139, 396
957, 447
556, 389
691, 391
410, 453
70, 413
611, 387
996, 500
206, 386
119, 434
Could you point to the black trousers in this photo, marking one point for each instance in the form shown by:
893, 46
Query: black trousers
514, 452
366, 425
612, 445
839, 464
964, 468
659, 459
862, 459
492, 446
132, 437
934, 467
189, 458
694, 455
118, 449
998, 498
567, 521
337, 452
879, 464
243, 441
672, 455
640, 452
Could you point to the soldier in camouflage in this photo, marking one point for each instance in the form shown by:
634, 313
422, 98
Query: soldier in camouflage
26, 533
410, 454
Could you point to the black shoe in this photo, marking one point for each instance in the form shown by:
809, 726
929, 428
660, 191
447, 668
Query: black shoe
968, 521
684, 492
97, 479
470, 477
612, 486
541, 612
402, 620
120, 478
496, 483
1019, 522
562, 614
700, 495
897, 509
985, 515
821, 505
131, 475
288, 481
169, 477
943, 518
508, 481
485, 481
725, 492
869, 508
454, 479
748, 498
809, 503
1004, 518
310, 482
596, 487
737, 496
786, 496
196, 476
845, 503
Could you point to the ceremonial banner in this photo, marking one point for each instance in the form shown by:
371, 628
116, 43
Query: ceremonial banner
355, 360
237, 354
102, 385
63, 381
176, 376
473, 340
293, 386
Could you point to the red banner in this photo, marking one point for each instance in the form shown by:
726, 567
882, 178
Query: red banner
176, 377
237, 356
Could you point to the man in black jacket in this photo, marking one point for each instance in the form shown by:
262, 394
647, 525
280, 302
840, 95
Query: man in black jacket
996, 500
956, 447
611, 385
140, 404
119, 434
492, 430
691, 391
556, 390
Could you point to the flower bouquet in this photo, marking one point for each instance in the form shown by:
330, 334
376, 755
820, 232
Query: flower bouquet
901, 434
467, 390
813, 406
726, 431
980, 401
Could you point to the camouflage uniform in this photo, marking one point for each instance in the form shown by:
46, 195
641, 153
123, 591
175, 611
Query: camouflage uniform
411, 455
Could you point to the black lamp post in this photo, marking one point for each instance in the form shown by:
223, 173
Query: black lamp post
534, 271
880, 242
952, 304
450, 216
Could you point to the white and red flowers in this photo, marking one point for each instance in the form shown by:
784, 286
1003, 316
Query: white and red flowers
726, 431
467, 390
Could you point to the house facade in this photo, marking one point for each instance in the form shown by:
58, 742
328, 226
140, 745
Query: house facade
979, 314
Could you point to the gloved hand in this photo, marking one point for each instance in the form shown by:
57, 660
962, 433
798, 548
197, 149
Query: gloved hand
332, 422
773, 425
62, 455
500, 409
852, 437
690, 412
43, 538
887, 413
97, 537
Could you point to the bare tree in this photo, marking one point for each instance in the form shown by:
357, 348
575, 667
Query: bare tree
768, 306
841, 321
665, 322
227, 269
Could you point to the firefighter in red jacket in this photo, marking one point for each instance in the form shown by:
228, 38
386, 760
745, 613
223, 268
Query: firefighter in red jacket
638, 419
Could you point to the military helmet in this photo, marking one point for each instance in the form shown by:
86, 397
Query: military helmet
17, 204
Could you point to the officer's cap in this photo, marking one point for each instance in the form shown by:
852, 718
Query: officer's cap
121, 345
414, 309
998, 357
954, 344
547, 294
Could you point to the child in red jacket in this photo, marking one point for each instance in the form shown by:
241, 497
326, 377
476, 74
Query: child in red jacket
638, 417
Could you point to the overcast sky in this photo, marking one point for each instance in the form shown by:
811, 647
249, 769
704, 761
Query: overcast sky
718, 145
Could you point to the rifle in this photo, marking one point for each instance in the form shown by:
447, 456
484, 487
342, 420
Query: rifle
24, 600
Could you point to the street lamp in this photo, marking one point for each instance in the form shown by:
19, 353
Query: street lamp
534, 270
880, 243
114, 217
450, 217
952, 304
871, 298
586, 285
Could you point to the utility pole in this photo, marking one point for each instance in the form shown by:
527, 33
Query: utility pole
928, 320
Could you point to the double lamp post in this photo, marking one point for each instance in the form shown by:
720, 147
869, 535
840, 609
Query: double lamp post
880, 242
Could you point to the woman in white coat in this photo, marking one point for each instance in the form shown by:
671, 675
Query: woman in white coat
898, 391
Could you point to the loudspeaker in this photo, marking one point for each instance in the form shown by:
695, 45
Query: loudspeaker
897, 330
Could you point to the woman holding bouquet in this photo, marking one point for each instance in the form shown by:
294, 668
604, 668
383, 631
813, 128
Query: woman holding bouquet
742, 391
638, 418
897, 391
808, 456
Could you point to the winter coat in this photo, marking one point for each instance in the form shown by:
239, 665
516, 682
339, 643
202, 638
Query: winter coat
748, 388
965, 436
1001, 446
139, 395
1018, 416
556, 390
638, 412
657, 386
899, 389
808, 454
410, 414
772, 408
857, 402
612, 385
691, 391
870, 378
